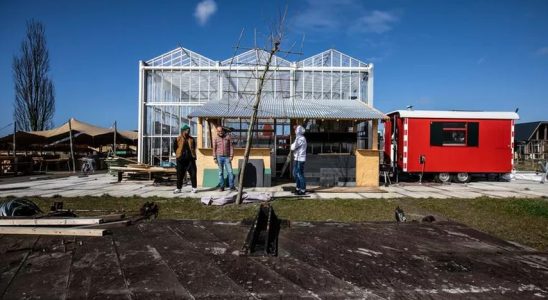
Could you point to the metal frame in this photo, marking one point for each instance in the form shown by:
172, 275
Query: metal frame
183, 78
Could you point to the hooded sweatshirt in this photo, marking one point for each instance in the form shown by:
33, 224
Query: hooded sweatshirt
299, 146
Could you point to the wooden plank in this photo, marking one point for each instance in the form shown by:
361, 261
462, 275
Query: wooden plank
95, 273
249, 272
144, 171
14, 251
44, 274
147, 275
199, 273
50, 221
51, 231
116, 224
111, 218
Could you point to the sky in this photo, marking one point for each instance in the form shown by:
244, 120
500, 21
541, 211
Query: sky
465, 55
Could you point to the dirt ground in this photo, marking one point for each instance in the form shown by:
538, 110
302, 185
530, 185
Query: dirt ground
167, 259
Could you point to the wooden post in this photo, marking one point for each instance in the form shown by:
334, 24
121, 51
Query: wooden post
200, 133
71, 148
210, 135
375, 135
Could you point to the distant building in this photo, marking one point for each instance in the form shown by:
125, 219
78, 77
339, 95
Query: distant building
532, 140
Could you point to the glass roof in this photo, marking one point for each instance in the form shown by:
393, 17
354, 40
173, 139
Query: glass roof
255, 57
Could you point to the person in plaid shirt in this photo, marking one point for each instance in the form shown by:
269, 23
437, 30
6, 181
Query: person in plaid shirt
223, 153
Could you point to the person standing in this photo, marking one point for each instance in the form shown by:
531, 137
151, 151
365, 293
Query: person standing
185, 152
223, 153
299, 156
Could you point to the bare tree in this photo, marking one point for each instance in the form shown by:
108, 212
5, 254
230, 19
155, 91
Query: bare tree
276, 38
34, 92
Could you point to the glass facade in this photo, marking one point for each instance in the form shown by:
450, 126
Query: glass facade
175, 83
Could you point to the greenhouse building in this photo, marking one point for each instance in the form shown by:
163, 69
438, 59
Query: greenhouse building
330, 94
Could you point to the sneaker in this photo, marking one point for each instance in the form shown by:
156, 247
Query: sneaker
222, 189
194, 190
233, 188
177, 191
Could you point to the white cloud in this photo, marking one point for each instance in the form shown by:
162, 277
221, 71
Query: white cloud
542, 51
204, 10
376, 21
334, 16
322, 15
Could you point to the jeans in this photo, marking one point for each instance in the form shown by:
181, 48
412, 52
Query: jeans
222, 162
298, 173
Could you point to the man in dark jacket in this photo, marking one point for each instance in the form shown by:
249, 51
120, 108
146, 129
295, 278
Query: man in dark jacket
185, 152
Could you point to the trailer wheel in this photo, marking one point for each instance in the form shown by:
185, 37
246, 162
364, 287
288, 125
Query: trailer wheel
462, 177
443, 177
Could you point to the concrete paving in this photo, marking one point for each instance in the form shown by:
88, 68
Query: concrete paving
524, 186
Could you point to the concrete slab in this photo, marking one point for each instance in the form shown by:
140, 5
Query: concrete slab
419, 188
339, 195
99, 184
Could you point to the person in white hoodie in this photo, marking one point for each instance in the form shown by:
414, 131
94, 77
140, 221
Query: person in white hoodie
299, 156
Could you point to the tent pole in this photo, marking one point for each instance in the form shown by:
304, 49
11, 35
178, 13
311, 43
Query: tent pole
71, 149
115, 133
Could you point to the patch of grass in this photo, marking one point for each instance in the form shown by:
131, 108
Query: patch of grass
521, 220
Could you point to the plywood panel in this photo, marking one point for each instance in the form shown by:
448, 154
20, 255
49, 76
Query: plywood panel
367, 168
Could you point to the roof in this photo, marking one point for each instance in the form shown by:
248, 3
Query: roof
184, 57
83, 133
450, 114
290, 109
524, 131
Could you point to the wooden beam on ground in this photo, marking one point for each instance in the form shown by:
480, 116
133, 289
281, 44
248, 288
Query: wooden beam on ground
50, 221
117, 224
52, 231
111, 217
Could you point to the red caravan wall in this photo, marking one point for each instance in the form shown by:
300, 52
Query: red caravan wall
493, 155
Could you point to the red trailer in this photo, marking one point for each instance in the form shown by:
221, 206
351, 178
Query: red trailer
450, 144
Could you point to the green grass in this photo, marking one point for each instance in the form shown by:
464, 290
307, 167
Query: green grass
521, 220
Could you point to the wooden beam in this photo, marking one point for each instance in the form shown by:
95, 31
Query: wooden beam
111, 217
122, 223
375, 135
50, 221
51, 231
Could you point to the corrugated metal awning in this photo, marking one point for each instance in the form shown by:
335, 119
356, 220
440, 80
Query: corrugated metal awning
290, 109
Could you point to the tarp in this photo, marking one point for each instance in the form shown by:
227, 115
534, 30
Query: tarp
18, 208
231, 198
83, 133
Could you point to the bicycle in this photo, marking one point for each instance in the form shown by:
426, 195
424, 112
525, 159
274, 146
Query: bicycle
87, 166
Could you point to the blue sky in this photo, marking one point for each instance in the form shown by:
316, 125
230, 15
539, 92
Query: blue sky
477, 55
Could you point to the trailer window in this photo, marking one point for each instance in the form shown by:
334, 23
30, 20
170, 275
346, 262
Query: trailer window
454, 133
